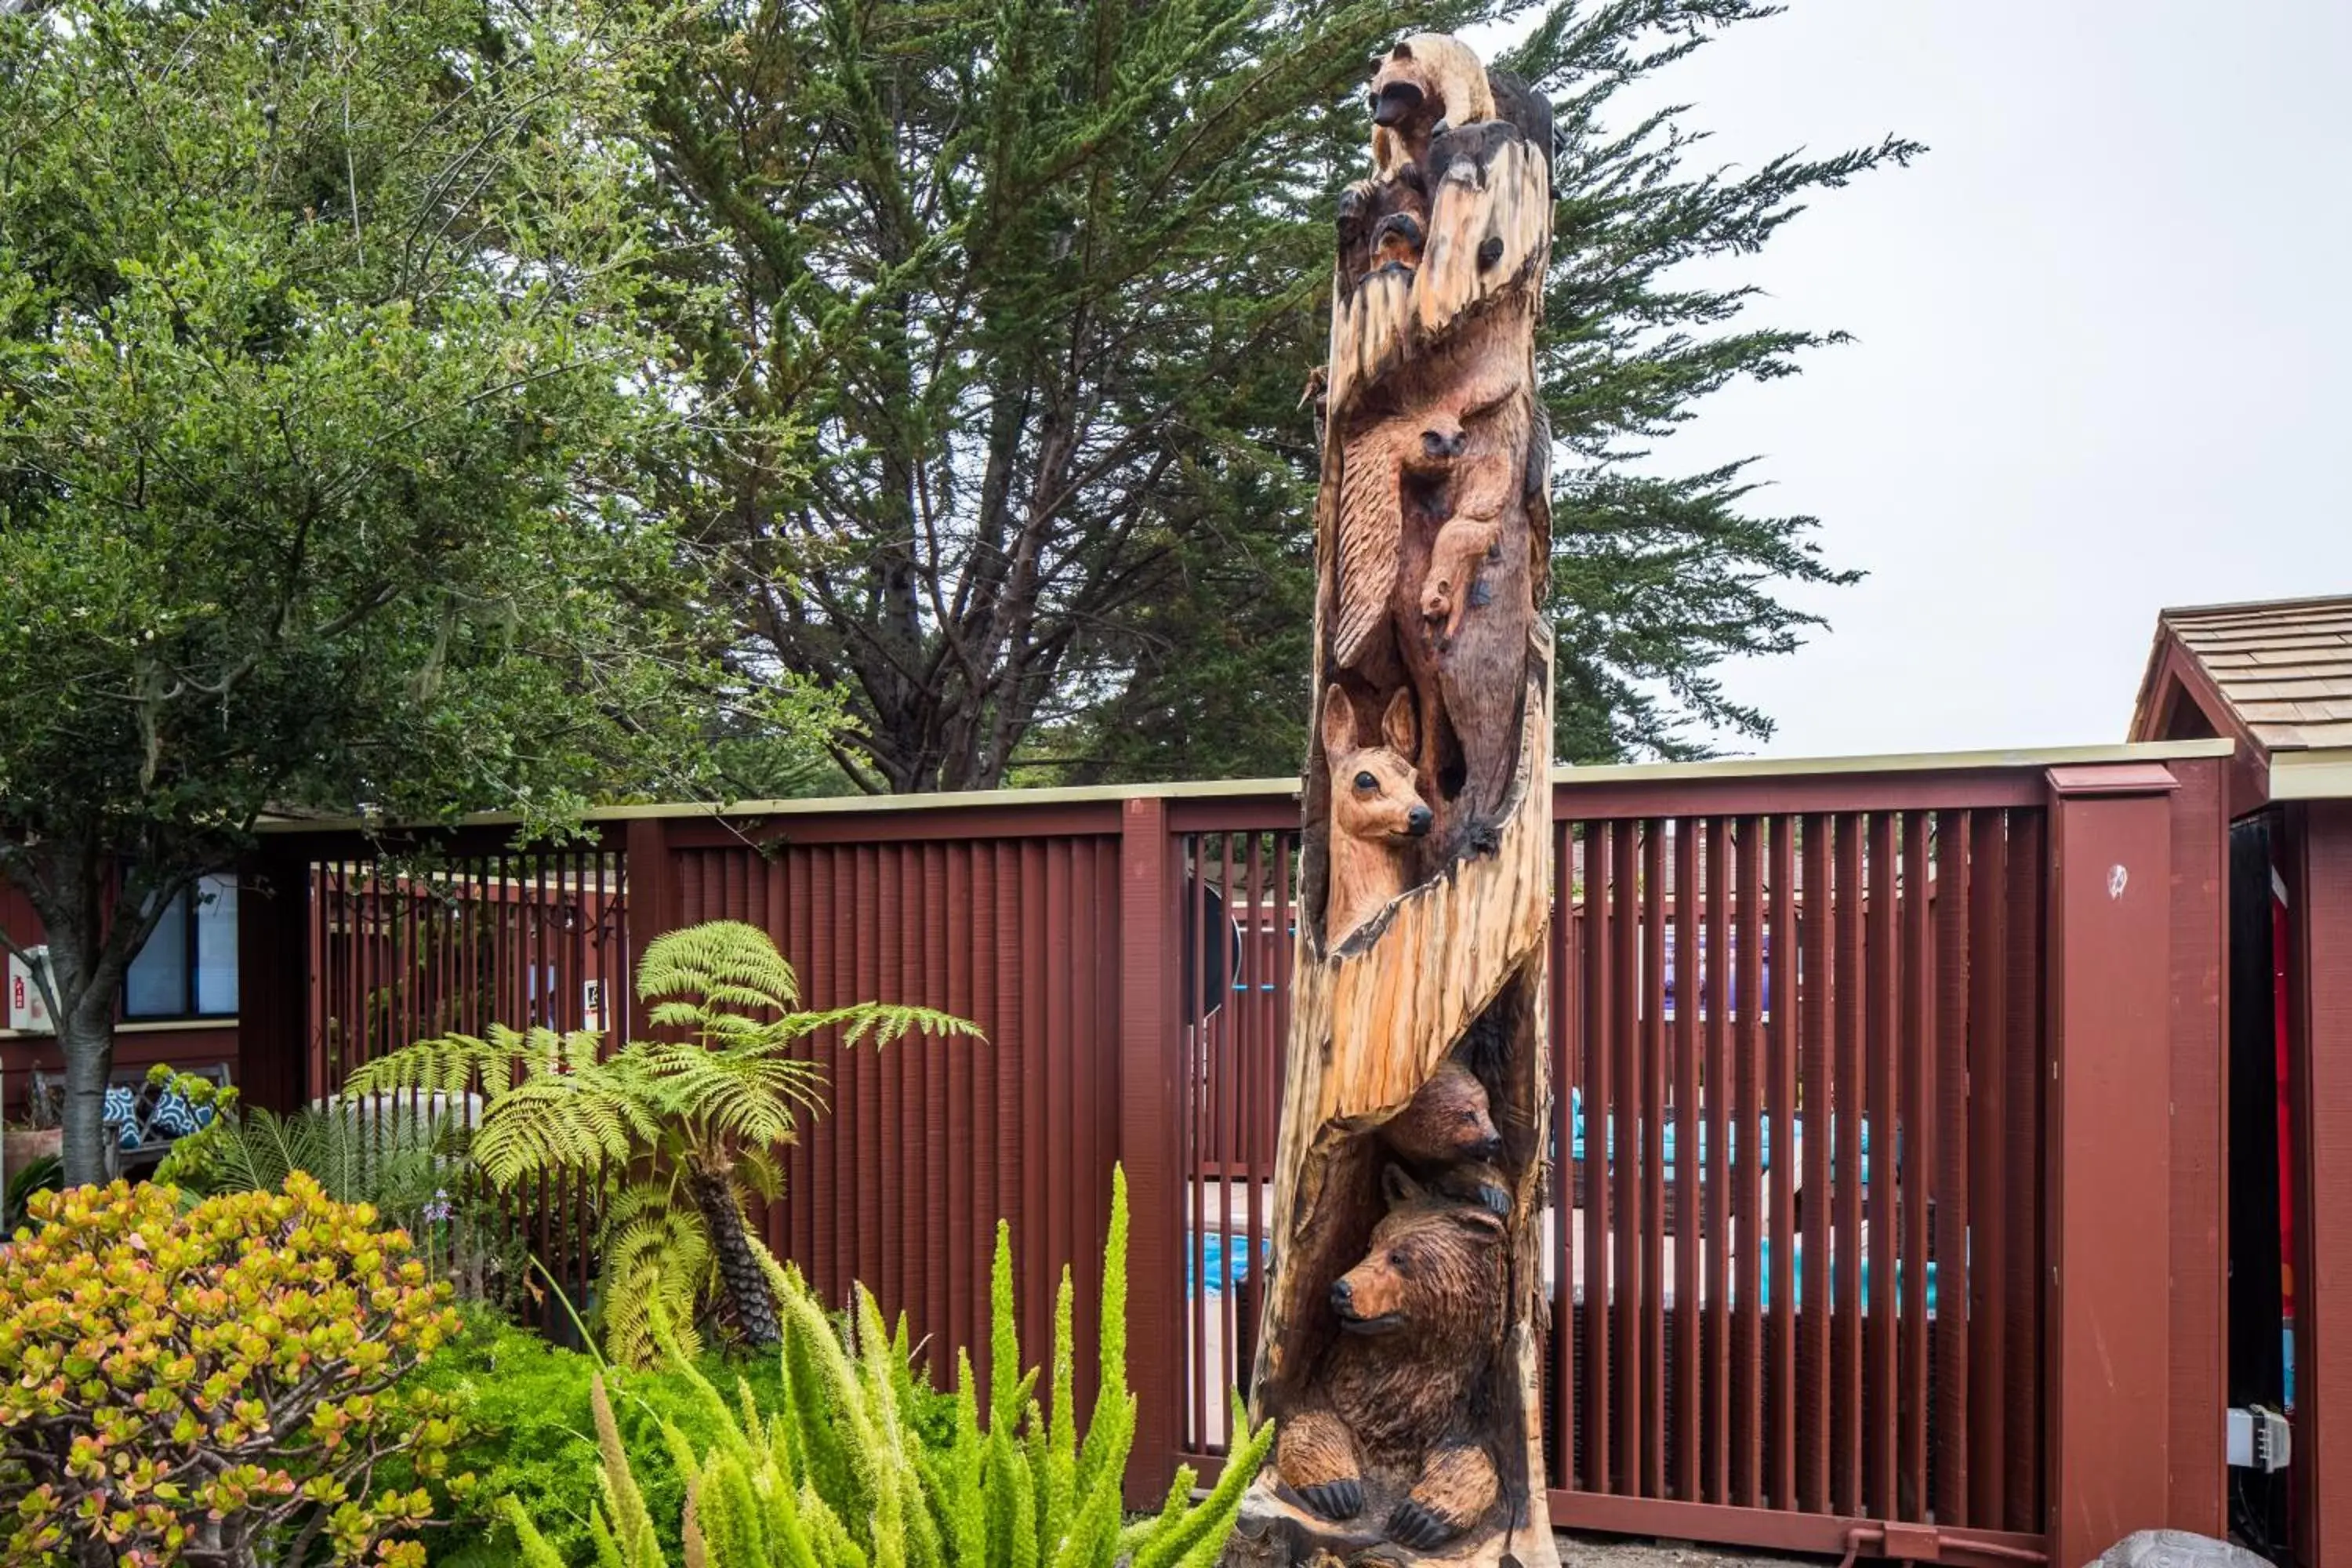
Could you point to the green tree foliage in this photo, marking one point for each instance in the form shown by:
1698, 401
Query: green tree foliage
223, 1384
685, 1130
845, 1471
325, 412
1045, 278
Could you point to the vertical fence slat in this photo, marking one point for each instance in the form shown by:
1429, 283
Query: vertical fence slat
1650, 1146
1196, 1116
1917, 1157
1600, 1002
1951, 1219
1744, 1277
1715, 1168
2026, 1271
1641, 1069
1987, 1241
963, 1218
1847, 1169
1566, 1077
1689, 1167
1882, 1307
1813, 1128
1778, 1145
1228, 1128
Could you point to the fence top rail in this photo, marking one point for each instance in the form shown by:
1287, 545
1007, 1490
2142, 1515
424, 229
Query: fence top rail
1573, 777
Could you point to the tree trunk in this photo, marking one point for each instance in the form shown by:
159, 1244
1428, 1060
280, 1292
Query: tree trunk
86, 985
748, 1303
88, 1047
1398, 1350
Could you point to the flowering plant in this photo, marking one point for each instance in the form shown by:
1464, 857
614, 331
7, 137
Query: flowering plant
216, 1385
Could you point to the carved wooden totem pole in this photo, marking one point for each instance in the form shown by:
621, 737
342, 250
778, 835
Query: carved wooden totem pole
1397, 1351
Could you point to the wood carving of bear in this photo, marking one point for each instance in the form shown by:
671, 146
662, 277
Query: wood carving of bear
1446, 1137
1398, 1395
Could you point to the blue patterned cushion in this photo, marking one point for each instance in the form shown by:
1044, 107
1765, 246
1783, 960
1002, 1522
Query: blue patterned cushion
175, 1118
118, 1112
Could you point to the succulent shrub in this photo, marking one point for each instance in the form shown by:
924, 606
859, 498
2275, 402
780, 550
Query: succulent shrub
217, 1385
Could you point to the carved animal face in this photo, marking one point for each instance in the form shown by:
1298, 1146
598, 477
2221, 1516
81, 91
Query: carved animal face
1434, 1268
1428, 79
1449, 1119
1374, 796
1409, 86
1442, 439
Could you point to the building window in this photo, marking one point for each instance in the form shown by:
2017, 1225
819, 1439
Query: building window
188, 968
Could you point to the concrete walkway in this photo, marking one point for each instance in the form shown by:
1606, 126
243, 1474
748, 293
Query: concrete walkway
1580, 1551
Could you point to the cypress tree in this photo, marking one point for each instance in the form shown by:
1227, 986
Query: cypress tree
1038, 284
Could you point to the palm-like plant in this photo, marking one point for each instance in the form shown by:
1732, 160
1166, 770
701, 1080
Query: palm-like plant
682, 1131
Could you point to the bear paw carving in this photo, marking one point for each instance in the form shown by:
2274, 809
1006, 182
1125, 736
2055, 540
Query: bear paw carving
1316, 1456
1420, 1528
1458, 1484
1335, 1499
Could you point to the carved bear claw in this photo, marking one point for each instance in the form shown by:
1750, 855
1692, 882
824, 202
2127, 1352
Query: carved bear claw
1420, 1528
1335, 1499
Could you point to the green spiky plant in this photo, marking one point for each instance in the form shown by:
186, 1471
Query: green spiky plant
843, 1475
682, 1132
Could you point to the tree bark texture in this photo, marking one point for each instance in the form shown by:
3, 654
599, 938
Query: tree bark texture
1399, 1349
749, 1302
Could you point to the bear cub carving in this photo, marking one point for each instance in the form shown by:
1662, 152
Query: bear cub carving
1402, 1387
1446, 1137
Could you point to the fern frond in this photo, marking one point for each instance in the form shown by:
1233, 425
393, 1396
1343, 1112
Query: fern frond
743, 1096
725, 962
657, 1265
883, 1022
578, 1121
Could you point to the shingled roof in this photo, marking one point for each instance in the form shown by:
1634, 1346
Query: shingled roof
2276, 676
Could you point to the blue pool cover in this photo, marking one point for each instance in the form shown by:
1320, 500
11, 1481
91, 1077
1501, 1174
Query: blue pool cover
1763, 1137
1228, 1261
1797, 1278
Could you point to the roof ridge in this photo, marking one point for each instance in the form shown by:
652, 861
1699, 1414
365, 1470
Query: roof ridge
2255, 606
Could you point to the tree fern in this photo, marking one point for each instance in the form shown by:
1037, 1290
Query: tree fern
681, 1133
840, 1473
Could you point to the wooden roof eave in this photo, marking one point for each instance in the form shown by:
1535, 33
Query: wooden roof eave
2175, 675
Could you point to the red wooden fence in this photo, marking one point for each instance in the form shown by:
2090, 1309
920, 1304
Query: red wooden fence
1968, 1301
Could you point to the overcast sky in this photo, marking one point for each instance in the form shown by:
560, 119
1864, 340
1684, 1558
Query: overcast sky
2102, 327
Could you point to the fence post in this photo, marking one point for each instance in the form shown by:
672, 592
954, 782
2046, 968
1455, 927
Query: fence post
2107, 1154
2319, 871
1149, 1107
2200, 1120
273, 982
